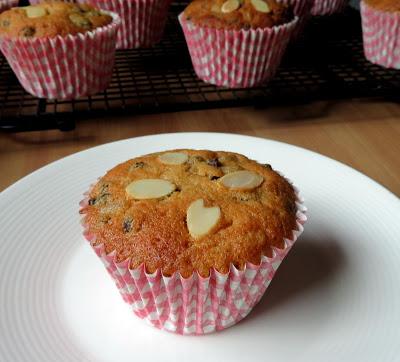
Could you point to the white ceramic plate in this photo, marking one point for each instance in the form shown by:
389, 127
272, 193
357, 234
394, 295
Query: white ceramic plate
335, 298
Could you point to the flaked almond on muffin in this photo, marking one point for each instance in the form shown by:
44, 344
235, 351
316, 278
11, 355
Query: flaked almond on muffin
49, 19
192, 238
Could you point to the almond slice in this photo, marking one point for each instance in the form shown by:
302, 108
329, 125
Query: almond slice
173, 158
260, 6
149, 189
242, 180
229, 6
35, 11
200, 219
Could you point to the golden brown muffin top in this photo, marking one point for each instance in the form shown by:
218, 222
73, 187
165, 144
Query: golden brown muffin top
178, 211
238, 14
384, 5
51, 18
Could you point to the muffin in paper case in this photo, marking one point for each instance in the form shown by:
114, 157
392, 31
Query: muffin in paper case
381, 36
7, 4
64, 67
143, 21
328, 7
196, 305
236, 58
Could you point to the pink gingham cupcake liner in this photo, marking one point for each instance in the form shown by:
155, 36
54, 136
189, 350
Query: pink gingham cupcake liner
236, 58
7, 4
64, 67
328, 7
143, 21
195, 305
381, 36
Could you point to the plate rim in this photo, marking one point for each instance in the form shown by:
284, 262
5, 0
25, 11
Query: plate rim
18, 183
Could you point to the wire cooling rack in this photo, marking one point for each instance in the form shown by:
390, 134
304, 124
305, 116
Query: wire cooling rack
327, 62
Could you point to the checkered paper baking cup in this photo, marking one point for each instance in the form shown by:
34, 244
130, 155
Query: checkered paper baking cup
143, 21
195, 305
236, 58
328, 7
381, 36
7, 4
64, 67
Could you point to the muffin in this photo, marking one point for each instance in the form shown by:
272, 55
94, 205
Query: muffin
143, 21
177, 228
328, 7
60, 50
7, 4
236, 43
381, 32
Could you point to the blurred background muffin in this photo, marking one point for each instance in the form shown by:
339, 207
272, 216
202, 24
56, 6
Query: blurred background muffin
381, 32
142, 21
59, 50
328, 7
7, 4
236, 43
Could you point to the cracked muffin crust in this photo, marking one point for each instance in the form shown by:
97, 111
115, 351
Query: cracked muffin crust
191, 210
51, 18
238, 14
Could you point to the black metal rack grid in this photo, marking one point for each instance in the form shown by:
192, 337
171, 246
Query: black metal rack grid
327, 62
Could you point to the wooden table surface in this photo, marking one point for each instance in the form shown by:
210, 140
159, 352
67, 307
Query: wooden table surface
364, 134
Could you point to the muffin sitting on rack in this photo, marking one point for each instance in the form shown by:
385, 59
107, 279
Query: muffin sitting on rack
60, 50
237, 43
381, 32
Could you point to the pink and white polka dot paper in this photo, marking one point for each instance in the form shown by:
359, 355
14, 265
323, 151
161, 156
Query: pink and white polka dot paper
143, 21
236, 58
195, 305
381, 36
64, 67
7, 4
328, 7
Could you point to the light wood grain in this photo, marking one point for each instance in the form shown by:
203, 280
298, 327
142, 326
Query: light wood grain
362, 134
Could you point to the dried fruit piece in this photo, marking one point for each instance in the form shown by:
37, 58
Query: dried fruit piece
127, 225
173, 158
200, 219
35, 11
214, 162
260, 6
5, 23
242, 180
28, 31
230, 5
149, 189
